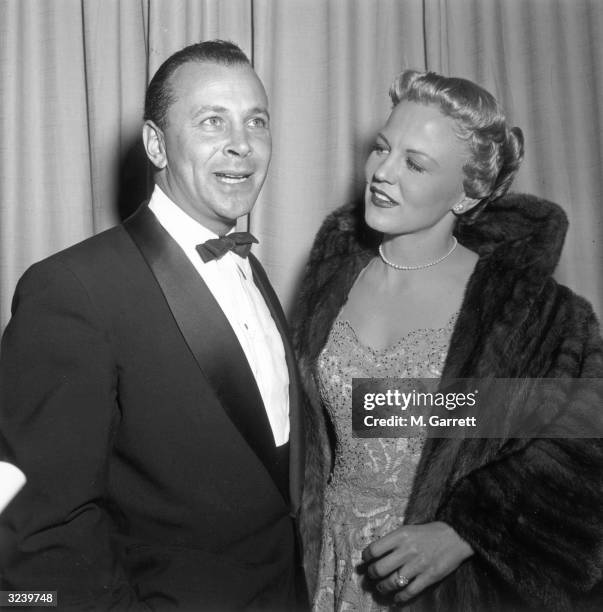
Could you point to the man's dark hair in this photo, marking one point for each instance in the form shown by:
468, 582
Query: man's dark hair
159, 94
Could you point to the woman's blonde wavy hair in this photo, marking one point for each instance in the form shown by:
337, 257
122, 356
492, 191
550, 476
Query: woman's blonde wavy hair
496, 150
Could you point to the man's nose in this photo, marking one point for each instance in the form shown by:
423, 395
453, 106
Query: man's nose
238, 143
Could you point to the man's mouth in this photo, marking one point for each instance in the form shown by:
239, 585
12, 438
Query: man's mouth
381, 199
232, 178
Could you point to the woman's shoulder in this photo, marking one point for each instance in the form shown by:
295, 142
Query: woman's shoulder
343, 233
578, 315
342, 247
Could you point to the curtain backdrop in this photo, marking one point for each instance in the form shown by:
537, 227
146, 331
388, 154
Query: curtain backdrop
73, 75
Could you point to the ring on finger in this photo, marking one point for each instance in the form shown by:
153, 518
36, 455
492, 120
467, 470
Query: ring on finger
401, 579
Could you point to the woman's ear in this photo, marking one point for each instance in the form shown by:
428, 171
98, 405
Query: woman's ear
466, 203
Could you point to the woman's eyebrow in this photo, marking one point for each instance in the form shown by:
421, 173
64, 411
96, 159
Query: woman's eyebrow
417, 152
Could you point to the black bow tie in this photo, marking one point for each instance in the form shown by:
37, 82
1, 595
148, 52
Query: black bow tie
237, 242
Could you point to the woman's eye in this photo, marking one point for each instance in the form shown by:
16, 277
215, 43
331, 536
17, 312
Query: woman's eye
379, 149
412, 165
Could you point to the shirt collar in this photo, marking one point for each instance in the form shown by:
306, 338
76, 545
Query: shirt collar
185, 230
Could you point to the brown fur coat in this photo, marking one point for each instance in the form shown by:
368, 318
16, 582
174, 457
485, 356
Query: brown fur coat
530, 508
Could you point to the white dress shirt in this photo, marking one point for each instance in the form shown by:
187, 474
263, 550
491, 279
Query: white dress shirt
230, 280
12, 480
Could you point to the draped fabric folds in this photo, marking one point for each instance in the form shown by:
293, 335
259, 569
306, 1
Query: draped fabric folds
73, 75
544, 61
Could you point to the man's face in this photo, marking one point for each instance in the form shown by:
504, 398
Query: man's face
215, 148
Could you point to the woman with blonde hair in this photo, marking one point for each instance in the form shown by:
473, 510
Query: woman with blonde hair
444, 276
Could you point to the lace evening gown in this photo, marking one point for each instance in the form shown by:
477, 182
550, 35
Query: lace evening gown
372, 478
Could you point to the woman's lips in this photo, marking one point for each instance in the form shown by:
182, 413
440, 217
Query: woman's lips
381, 199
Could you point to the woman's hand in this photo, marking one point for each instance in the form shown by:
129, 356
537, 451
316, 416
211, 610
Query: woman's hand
421, 554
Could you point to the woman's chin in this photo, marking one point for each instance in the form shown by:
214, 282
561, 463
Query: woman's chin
377, 219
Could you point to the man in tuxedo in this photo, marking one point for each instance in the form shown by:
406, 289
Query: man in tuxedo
148, 387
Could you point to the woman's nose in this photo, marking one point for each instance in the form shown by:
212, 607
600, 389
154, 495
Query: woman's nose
383, 169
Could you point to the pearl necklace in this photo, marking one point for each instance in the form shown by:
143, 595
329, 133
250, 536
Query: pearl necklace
420, 266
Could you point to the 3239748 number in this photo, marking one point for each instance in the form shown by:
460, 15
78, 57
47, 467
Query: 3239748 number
28, 598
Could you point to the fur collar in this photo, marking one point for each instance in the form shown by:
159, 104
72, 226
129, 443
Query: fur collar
518, 235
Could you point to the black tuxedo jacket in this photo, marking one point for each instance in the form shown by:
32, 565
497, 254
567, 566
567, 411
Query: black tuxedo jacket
153, 480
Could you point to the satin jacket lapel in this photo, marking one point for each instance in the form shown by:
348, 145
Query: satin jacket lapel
207, 333
296, 437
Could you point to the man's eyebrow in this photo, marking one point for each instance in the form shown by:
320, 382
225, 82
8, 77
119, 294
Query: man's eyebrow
209, 108
259, 110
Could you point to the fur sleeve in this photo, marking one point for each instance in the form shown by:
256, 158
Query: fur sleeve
534, 516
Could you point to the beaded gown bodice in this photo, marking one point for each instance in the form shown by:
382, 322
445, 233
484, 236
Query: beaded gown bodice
372, 477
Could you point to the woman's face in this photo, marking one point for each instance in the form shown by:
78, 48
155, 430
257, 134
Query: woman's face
414, 173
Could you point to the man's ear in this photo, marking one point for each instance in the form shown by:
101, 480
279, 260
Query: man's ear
154, 144
464, 204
